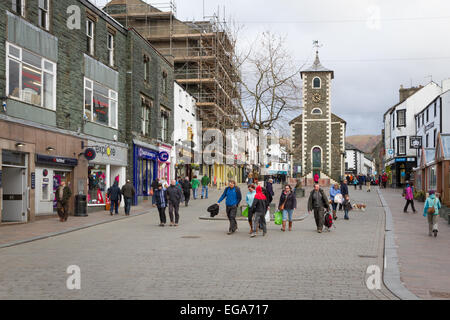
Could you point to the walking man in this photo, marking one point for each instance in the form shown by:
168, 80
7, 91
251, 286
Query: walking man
161, 203
114, 196
62, 196
205, 183
195, 184
128, 192
344, 191
234, 196
186, 190
174, 196
318, 202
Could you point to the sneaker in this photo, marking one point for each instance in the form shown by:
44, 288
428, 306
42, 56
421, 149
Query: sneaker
229, 232
253, 235
264, 234
435, 233
319, 231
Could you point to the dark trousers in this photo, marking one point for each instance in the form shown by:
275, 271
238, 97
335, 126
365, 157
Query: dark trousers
114, 204
319, 216
260, 220
187, 197
407, 205
231, 214
162, 214
63, 210
127, 205
174, 207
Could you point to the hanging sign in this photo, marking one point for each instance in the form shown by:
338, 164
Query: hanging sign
90, 154
33, 180
163, 156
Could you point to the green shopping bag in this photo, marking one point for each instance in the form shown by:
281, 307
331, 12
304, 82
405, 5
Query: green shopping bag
245, 212
278, 217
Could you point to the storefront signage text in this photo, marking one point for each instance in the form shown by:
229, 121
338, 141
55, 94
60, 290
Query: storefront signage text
163, 156
148, 154
56, 160
33, 180
400, 160
105, 150
429, 126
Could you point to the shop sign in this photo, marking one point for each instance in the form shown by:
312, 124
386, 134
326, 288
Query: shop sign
411, 159
105, 150
415, 142
90, 154
33, 180
107, 154
163, 156
148, 154
429, 126
400, 160
56, 160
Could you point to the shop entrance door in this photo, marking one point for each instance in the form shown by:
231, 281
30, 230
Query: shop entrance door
14, 194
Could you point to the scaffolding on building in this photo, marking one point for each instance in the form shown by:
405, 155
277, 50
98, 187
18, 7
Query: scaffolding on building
202, 52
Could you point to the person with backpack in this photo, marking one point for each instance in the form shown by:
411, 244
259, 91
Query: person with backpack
233, 195
409, 197
287, 204
318, 202
258, 209
115, 196
431, 211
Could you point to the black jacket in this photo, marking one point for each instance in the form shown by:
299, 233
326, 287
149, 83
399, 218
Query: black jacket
114, 192
186, 185
268, 195
344, 189
269, 188
323, 204
259, 205
158, 198
128, 190
291, 202
174, 194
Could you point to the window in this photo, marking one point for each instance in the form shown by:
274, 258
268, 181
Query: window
426, 141
164, 83
164, 124
18, 6
316, 111
401, 141
30, 78
427, 116
100, 104
434, 138
111, 49
401, 118
435, 109
393, 120
146, 68
423, 119
316, 83
44, 14
90, 36
393, 144
146, 105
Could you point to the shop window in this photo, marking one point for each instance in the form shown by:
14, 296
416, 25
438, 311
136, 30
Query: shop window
432, 178
30, 78
97, 184
100, 104
18, 6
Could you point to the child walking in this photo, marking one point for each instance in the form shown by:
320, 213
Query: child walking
347, 206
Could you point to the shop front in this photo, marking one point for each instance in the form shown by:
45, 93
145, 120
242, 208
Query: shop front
400, 170
108, 166
145, 170
51, 171
164, 162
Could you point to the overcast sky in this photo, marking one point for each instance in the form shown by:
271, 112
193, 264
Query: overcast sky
370, 57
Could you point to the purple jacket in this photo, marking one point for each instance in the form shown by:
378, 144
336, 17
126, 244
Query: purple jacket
409, 194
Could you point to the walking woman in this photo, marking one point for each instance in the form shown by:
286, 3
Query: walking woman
409, 197
431, 211
288, 203
259, 209
334, 191
161, 203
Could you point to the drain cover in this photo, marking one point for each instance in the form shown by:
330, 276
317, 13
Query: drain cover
444, 295
190, 237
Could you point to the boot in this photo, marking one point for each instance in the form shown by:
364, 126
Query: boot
290, 225
283, 228
251, 227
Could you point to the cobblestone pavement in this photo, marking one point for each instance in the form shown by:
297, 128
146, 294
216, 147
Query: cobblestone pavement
135, 259
423, 261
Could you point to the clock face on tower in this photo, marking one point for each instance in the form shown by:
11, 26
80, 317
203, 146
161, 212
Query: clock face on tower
316, 97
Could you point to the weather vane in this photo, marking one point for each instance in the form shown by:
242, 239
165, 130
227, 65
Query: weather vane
317, 45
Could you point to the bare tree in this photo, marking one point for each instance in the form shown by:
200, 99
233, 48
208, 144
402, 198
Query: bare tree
269, 83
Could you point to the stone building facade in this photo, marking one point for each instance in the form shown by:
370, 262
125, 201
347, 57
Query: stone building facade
318, 135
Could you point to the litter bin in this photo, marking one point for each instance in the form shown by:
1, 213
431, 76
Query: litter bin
80, 205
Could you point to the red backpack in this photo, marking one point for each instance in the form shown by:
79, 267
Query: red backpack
328, 220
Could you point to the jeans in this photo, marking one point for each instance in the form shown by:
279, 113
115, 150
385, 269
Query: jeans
334, 205
287, 212
204, 189
260, 220
153, 199
174, 207
194, 191
114, 203
231, 214
127, 205
432, 222
162, 215
346, 214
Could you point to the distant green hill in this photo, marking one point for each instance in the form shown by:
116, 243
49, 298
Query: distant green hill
364, 142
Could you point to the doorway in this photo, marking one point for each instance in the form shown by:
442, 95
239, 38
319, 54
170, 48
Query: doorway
14, 194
